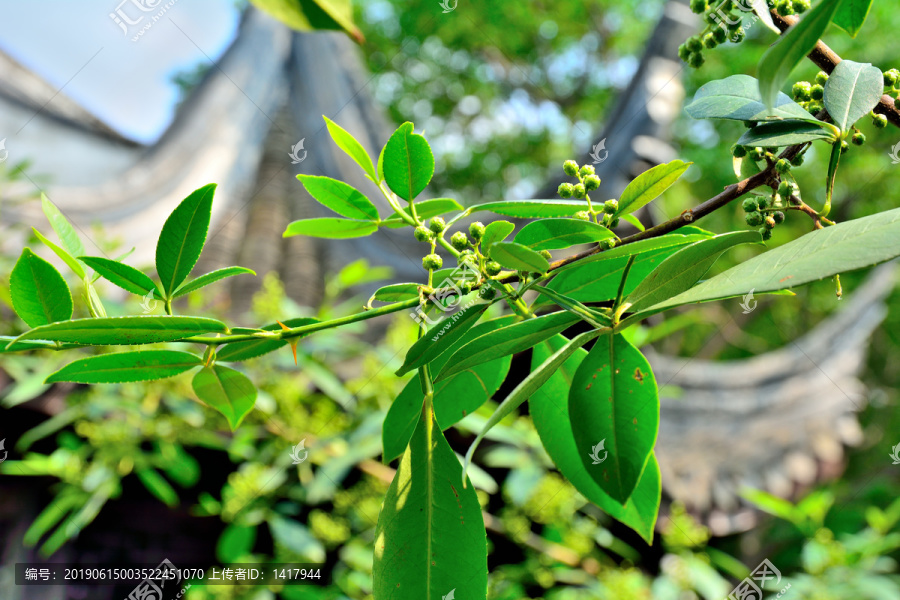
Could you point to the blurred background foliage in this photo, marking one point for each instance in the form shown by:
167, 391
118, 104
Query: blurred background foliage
505, 92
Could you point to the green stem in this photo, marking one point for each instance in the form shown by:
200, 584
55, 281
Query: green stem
305, 329
516, 303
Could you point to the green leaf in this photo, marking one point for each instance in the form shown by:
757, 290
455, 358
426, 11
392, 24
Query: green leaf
340, 197
532, 383
39, 293
683, 269
208, 278
330, 227
440, 337
157, 486
126, 277
305, 15
634, 221
64, 230
778, 134
779, 60
532, 209
183, 237
121, 367
425, 210
822, 253
737, 98
553, 234
235, 542
124, 331
648, 186
352, 147
465, 391
851, 14
511, 339
238, 351
550, 415
495, 231
518, 257
397, 292
408, 162
853, 89
430, 540
5, 343
596, 278
63, 254
226, 390
614, 409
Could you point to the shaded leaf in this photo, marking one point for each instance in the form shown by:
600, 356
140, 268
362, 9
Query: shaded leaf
614, 414
226, 390
519, 258
465, 391
822, 253
779, 60
684, 268
126, 277
121, 367
737, 98
441, 337
851, 15
853, 89
554, 234
550, 415
513, 338
39, 293
124, 331
778, 134
430, 535
540, 373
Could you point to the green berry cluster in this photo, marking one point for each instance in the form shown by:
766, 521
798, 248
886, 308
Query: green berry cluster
811, 95
587, 182
763, 212
792, 7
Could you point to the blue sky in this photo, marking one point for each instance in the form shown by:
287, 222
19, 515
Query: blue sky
126, 84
